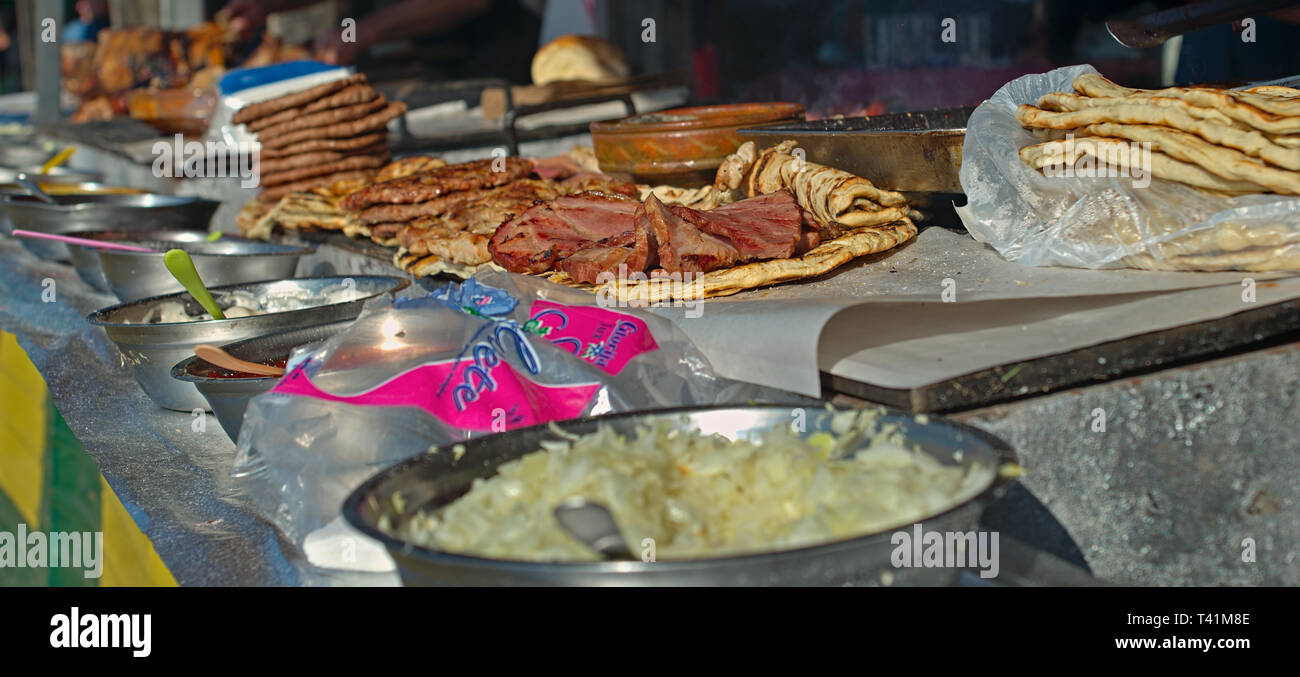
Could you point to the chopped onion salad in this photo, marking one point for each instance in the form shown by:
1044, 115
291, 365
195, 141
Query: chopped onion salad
702, 496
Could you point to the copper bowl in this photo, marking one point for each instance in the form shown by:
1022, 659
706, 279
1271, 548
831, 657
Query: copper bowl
682, 146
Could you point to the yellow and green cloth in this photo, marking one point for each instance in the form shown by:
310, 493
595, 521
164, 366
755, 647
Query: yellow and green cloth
50, 484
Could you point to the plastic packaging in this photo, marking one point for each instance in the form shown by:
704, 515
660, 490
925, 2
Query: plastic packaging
499, 352
1108, 221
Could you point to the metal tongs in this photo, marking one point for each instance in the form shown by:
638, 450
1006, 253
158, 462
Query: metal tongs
1153, 29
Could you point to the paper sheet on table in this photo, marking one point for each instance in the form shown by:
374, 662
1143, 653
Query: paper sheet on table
883, 321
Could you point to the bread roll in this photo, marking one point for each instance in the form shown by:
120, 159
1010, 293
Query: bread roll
578, 57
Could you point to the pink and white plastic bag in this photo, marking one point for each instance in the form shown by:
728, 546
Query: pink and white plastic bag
508, 353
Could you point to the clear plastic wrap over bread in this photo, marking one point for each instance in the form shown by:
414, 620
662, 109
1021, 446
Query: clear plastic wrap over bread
496, 353
1097, 215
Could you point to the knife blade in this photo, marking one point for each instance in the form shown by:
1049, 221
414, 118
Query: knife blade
1151, 30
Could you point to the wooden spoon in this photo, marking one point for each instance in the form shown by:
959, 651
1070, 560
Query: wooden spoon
225, 360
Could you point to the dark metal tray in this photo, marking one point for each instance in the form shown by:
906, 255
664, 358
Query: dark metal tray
909, 152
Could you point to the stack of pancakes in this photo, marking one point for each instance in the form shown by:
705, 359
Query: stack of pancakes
337, 131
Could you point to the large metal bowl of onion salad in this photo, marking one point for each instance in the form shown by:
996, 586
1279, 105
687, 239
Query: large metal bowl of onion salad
411, 508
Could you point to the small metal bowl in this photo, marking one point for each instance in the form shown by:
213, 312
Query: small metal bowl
150, 350
230, 260
63, 184
432, 480
8, 174
86, 259
73, 213
228, 396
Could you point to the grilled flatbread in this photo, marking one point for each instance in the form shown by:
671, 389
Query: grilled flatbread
832, 196
1249, 141
425, 266
1119, 153
1240, 106
1225, 162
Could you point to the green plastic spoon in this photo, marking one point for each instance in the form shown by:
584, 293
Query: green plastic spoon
180, 264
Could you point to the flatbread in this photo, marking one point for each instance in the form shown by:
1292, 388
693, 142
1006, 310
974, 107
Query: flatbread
1250, 142
820, 260
314, 145
703, 197
272, 179
248, 217
294, 99
1119, 153
304, 211
428, 266
341, 130
1061, 101
831, 195
1235, 105
1225, 162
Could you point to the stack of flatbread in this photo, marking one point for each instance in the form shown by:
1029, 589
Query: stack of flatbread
1227, 141
330, 133
1221, 143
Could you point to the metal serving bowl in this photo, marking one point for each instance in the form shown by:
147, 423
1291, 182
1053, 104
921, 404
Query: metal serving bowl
8, 174
73, 213
432, 480
69, 184
152, 349
228, 396
86, 259
231, 260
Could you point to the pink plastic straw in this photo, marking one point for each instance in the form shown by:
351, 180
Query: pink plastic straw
18, 232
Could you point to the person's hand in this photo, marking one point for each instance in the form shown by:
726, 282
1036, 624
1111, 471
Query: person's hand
245, 16
329, 47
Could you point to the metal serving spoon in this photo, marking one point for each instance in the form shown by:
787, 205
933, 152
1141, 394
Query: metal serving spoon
594, 526
34, 189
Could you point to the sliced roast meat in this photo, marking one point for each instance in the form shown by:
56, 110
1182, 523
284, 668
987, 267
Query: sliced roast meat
682, 246
763, 227
536, 240
808, 241
621, 255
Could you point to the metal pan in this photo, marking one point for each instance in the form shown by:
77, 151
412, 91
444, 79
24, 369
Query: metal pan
430, 481
918, 154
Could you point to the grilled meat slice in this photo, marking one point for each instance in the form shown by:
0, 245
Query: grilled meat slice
763, 227
634, 252
547, 233
682, 246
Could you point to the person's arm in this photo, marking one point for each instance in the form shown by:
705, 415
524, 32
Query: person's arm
246, 15
406, 19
